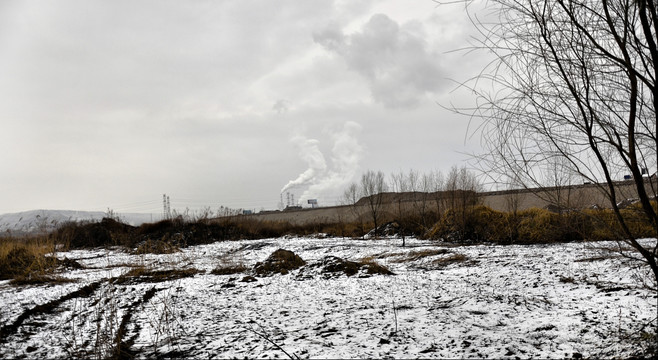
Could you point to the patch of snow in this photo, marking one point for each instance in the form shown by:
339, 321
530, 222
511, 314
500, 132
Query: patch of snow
546, 301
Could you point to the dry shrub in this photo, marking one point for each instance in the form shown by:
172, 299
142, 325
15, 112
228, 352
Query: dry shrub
543, 226
372, 267
486, 224
280, 262
605, 225
26, 258
162, 246
476, 224
344, 230
85, 234
229, 264
534, 225
537, 226
159, 227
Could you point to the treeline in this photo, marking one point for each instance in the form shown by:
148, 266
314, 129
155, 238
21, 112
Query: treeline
445, 208
448, 208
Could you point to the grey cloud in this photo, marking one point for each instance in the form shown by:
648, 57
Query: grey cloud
395, 60
105, 102
280, 106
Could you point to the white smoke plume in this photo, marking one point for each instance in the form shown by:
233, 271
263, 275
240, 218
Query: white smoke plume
309, 152
346, 154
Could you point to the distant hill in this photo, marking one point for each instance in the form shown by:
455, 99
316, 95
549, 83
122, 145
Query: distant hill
35, 221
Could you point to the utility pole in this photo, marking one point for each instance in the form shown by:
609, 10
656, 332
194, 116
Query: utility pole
166, 212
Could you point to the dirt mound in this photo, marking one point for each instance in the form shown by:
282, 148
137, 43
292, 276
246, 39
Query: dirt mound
332, 266
162, 237
107, 232
280, 262
180, 234
388, 229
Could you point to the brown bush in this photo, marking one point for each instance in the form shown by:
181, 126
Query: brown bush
605, 225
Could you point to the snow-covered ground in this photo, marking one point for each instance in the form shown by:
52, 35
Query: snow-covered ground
546, 301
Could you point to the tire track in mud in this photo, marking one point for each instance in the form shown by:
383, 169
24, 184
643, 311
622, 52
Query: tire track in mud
46, 308
123, 350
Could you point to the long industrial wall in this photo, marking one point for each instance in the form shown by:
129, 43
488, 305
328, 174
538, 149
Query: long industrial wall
579, 196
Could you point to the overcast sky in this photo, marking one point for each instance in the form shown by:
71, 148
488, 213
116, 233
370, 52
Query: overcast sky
110, 104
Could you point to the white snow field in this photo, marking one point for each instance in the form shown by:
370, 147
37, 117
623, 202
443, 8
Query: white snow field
543, 301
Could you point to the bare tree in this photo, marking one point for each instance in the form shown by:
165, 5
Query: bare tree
461, 195
350, 197
574, 80
422, 201
438, 187
373, 186
400, 185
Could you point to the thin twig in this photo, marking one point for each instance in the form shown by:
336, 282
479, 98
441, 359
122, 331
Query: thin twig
267, 338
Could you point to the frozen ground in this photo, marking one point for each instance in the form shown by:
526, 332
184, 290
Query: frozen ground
546, 301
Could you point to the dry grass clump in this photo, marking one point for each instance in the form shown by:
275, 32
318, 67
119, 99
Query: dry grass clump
142, 274
229, 269
372, 267
449, 260
280, 262
26, 258
416, 255
31, 262
161, 246
39, 279
229, 264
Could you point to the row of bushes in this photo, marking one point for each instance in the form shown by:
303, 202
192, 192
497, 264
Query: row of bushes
481, 223
470, 224
175, 232
26, 258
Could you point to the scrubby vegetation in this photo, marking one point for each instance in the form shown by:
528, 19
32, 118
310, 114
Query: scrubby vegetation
533, 226
30, 259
